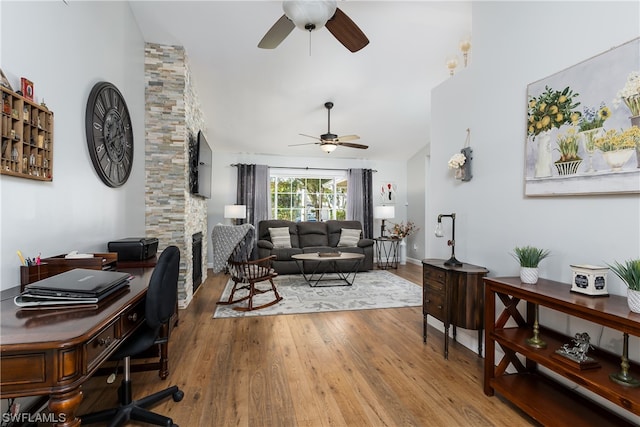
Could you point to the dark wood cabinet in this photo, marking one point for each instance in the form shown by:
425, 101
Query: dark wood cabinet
527, 386
453, 295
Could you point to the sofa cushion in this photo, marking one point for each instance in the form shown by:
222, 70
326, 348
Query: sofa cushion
334, 228
349, 237
280, 237
263, 230
312, 234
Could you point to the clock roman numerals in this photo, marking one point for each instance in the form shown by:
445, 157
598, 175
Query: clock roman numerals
100, 109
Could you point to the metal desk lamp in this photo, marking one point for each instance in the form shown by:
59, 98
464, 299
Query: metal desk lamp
439, 233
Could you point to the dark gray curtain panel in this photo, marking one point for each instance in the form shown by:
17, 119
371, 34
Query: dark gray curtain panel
253, 192
360, 199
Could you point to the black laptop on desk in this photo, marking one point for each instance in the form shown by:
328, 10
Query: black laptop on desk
77, 286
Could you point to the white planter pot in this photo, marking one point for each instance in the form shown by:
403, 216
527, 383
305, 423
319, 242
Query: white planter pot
529, 275
633, 300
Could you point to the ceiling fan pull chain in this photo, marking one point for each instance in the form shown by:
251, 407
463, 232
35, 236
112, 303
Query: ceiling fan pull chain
309, 43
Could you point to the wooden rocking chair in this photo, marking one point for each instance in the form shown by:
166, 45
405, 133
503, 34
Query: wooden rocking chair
246, 273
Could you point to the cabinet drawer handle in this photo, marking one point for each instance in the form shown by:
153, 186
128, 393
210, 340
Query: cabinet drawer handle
440, 306
427, 301
133, 317
104, 341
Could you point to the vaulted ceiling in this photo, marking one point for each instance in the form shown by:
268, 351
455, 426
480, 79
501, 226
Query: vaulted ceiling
259, 101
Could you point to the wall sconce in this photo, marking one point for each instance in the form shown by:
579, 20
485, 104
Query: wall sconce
235, 212
383, 213
452, 63
439, 233
465, 47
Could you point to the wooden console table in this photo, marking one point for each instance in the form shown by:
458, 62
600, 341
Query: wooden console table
538, 395
453, 295
53, 352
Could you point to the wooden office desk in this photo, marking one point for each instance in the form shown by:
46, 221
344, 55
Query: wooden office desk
53, 352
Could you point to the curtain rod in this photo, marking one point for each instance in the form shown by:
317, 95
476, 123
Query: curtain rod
306, 168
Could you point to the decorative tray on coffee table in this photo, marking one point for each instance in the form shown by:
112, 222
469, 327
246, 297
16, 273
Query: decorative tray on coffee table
329, 254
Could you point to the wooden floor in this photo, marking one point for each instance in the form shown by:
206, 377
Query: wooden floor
353, 368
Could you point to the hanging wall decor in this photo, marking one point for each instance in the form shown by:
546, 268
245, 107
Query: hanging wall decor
388, 193
583, 127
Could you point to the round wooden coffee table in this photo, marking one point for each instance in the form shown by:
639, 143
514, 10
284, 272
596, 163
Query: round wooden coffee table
323, 265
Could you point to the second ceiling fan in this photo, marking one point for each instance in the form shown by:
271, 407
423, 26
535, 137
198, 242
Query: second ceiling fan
312, 15
330, 141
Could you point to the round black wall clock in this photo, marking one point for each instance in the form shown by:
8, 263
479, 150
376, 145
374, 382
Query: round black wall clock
109, 134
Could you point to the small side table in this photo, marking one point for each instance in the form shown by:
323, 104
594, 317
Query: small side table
387, 252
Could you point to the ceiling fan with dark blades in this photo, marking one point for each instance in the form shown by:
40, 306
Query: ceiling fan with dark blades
313, 15
330, 141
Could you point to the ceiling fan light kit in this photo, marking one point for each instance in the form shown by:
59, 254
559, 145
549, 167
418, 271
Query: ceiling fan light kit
330, 141
309, 15
328, 147
312, 15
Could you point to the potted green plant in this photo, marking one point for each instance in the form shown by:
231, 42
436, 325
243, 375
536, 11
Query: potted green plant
529, 257
629, 273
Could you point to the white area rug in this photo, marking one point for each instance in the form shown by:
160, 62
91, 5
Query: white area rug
371, 289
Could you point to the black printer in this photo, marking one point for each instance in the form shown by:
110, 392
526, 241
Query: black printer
134, 248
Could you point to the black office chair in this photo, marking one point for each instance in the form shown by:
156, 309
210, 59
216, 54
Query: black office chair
159, 306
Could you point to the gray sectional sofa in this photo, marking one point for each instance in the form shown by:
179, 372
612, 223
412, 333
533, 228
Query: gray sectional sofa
311, 237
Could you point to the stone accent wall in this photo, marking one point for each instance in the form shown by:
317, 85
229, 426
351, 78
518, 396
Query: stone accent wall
173, 113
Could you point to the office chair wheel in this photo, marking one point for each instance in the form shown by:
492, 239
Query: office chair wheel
178, 396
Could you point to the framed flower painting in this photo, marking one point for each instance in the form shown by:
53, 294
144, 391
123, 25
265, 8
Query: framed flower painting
583, 127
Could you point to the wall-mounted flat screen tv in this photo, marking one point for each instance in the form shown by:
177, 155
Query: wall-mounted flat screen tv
200, 170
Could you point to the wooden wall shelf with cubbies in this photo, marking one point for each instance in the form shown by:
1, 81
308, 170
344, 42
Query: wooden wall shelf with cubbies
26, 131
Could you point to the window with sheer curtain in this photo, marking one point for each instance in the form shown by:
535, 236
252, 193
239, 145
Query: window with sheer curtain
308, 195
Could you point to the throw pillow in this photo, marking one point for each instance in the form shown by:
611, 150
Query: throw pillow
349, 237
280, 237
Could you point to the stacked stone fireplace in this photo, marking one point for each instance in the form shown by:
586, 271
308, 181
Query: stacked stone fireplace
172, 117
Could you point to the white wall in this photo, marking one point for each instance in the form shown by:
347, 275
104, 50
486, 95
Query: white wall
65, 50
224, 179
417, 193
494, 216
514, 44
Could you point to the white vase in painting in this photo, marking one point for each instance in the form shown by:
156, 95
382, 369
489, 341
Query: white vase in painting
543, 161
635, 121
589, 142
617, 159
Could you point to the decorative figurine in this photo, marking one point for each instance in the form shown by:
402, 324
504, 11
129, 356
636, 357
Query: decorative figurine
576, 355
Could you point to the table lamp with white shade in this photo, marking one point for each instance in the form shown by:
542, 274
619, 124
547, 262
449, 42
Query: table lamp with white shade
383, 213
235, 212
